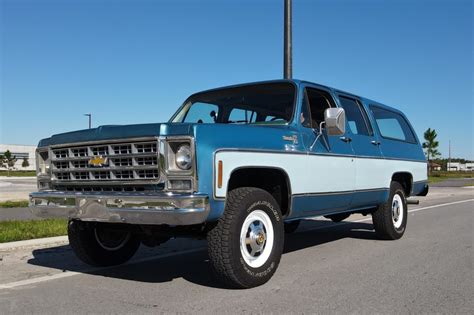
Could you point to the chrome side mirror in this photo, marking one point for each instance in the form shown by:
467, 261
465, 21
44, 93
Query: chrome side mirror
335, 121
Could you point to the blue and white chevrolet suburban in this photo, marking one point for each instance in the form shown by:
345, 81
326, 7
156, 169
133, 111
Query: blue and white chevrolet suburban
238, 165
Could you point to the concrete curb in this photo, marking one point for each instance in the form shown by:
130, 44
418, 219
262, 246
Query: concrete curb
35, 243
16, 177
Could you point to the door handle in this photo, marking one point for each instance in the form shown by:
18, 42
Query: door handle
375, 142
346, 139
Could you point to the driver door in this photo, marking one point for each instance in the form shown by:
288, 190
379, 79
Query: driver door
330, 159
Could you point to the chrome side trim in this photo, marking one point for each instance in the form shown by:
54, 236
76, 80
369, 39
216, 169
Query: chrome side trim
315, 153
340, 192
136, 208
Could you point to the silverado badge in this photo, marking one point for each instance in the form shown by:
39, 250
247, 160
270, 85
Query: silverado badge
293, 138
98, 161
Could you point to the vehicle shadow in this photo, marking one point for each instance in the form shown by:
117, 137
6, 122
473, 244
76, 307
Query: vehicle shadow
194, 266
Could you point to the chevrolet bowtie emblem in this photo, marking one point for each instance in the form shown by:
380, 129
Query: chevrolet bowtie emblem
98, 161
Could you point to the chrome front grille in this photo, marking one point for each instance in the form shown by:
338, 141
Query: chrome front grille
119, 163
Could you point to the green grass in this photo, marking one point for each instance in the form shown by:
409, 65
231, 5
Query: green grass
439, 176
434, 179
11, 231
452, 174
18, 173
14, 204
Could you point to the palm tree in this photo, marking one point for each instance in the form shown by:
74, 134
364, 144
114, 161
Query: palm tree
431, 146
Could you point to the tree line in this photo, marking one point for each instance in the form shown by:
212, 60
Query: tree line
8, 160
432, 154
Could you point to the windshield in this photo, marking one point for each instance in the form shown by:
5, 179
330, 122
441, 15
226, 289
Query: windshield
269, 103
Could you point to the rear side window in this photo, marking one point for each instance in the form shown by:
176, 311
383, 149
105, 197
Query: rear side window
356, 118
392, 125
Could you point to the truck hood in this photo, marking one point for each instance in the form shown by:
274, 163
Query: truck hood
258, 133
118, 132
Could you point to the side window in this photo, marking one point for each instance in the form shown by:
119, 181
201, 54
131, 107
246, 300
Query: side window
238, 115
314, 104
201, 113
392, 125
274, 118
305, 113
356, 118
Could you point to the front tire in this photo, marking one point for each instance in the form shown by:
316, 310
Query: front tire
390, 218
246, 245
101, 244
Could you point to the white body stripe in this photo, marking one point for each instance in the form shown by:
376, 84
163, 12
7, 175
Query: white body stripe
319, 173
377, 173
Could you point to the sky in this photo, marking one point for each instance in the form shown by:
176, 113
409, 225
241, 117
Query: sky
136, 61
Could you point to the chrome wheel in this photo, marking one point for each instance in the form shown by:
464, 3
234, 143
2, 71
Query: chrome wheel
256, 238
397, 211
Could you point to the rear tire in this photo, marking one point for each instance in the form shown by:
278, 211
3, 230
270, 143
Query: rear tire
101, 244
246, 245
390, 218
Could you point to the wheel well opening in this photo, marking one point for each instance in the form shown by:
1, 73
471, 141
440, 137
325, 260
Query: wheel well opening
274, 181
406, 180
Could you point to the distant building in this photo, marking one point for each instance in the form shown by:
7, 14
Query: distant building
435, 166
456, 166
453, 166
21, 152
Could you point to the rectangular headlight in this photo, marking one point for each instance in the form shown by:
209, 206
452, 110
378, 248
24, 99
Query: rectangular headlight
43, 164
43, 169
180, 155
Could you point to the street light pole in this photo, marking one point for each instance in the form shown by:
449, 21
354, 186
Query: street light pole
90, 119
449, 157
288, 58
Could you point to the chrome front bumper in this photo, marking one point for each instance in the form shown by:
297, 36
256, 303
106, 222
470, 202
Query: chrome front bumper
133, 208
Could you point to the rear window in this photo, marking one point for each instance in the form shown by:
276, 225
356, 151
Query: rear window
392, 125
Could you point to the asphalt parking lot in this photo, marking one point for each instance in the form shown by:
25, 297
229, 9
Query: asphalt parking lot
16, 188
326, 267
454, 182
